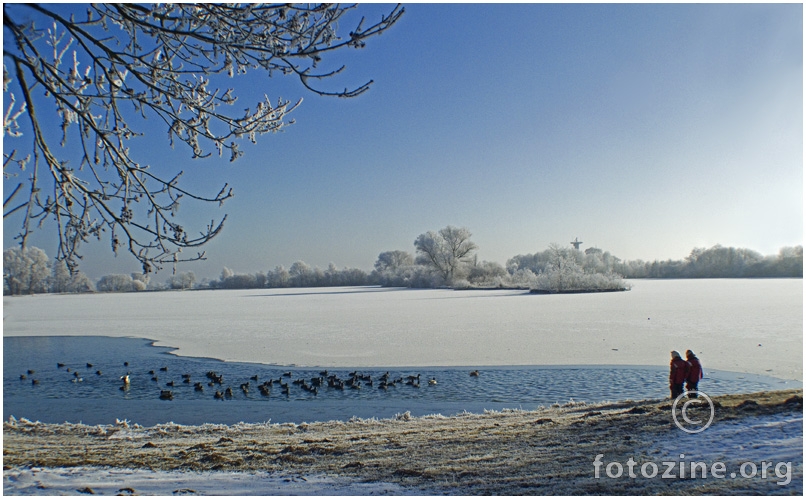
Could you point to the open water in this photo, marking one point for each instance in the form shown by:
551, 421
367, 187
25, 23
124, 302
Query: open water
90, 398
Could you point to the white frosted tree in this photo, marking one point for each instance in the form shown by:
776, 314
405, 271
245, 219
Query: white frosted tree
445, 251
25, 270
391, 261
119, 283
83, 83
301, 274
60, 278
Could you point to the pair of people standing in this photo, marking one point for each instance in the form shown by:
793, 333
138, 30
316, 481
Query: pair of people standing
687, 371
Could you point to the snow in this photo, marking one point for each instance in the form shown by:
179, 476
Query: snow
752, 326
113, 481
775, 438
741, 325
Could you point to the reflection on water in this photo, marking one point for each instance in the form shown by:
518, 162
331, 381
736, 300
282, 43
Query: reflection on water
83, 395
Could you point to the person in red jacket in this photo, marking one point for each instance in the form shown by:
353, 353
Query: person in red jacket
694, 373
678, 373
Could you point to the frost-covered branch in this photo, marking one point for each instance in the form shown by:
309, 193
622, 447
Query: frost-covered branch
95, 76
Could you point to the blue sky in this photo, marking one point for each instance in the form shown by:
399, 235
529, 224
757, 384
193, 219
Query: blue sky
644, 130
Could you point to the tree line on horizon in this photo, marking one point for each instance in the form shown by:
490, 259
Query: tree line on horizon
444, 258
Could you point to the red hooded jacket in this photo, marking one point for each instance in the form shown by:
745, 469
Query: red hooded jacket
695, 371
678, 371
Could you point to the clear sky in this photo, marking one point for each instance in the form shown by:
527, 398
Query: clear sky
644, 130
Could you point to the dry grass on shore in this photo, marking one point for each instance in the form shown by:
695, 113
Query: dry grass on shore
548, 451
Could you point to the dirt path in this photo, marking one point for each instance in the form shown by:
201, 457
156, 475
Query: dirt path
549, 451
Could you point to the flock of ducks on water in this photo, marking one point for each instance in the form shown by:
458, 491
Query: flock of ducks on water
354, 381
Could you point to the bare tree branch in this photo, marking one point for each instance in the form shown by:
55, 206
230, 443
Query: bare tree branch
97, 77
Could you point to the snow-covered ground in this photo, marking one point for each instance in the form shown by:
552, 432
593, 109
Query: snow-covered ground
775, 439
113, 481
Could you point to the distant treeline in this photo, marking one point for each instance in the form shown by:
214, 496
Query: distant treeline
715, 262
438, 264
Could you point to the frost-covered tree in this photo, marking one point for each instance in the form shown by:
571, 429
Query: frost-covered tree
301, 274
278, 278
446, 251
390, 261
487, 274
564, 274
62, 281
82, 82
182, 280
60, 278
119, 283
25, 270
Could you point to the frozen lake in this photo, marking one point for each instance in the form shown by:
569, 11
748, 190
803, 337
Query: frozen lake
742, 325
532, 350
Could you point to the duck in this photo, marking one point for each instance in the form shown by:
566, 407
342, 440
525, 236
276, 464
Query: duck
34, 381
166, 395
218, 395
74, 380
287, 374
170, 383
253, 378
164, 368
30, 371
432, 381
228, 392
124, 378
59, 365
198, 387
23, 377
89, 366
284, 390
475, 373
98, 372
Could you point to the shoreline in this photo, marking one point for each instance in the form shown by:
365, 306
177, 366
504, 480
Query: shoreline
513, 452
